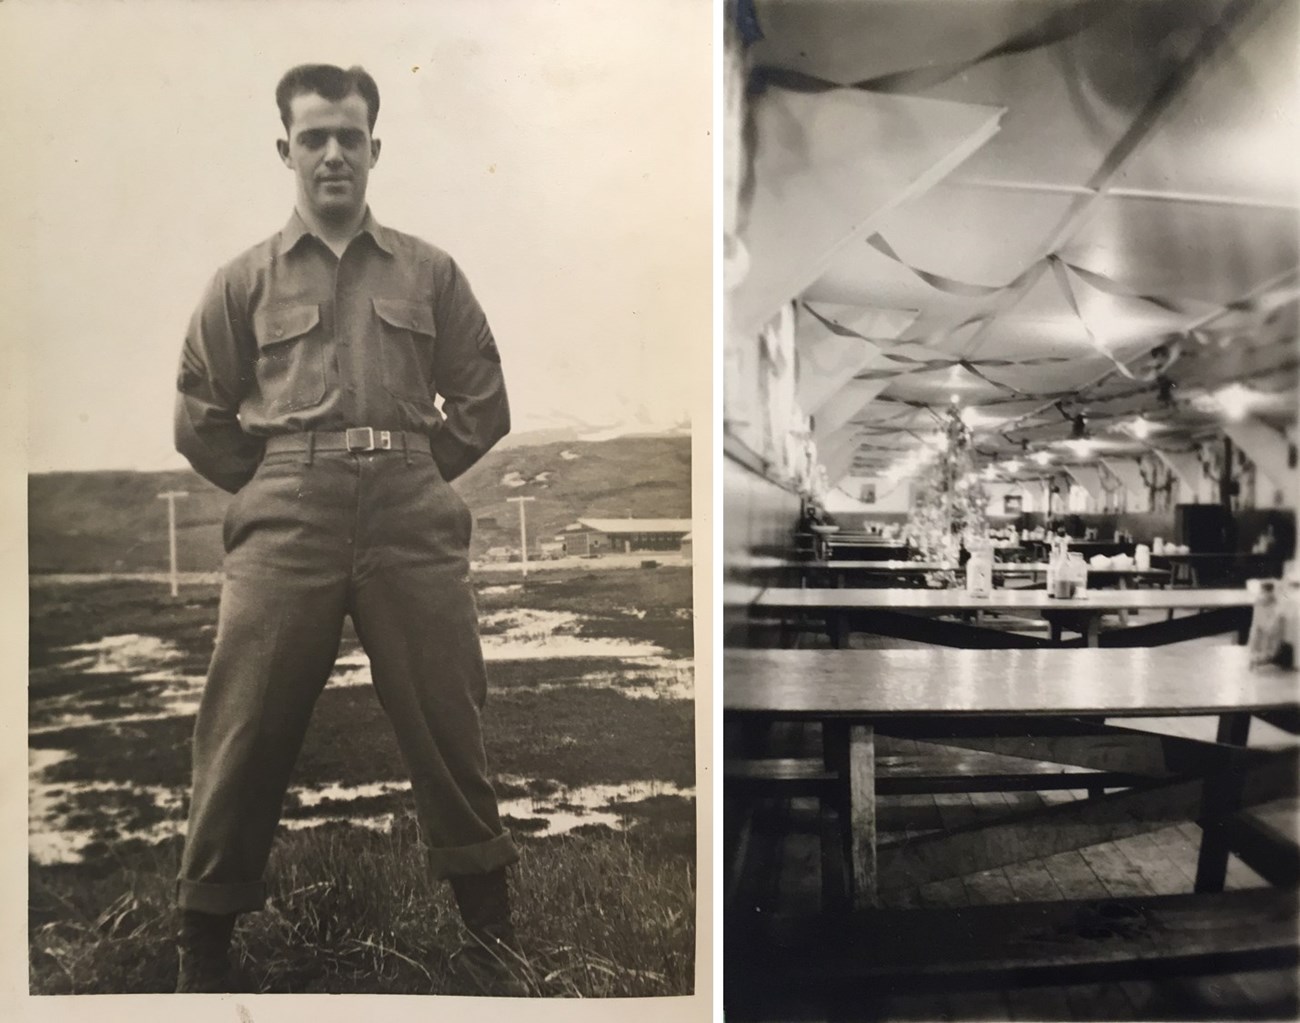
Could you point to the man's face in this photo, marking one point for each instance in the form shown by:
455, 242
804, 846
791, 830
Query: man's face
330, 151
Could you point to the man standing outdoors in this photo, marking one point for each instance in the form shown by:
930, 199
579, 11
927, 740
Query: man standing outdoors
307, 388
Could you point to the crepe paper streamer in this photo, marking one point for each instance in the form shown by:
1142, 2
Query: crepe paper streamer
1055, 28
945, 284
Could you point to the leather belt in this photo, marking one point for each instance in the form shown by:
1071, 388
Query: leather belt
356, 439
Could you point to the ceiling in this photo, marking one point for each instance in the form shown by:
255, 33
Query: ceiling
1037, 209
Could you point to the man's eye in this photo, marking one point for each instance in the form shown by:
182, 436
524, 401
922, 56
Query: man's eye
352, 139
313, 139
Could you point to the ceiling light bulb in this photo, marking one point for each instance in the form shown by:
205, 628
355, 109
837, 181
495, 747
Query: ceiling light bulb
1235, 401
1041, 457
1141, 428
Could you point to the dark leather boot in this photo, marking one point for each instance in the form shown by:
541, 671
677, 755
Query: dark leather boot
491, 958
203, 944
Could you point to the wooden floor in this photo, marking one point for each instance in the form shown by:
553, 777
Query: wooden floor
780, 872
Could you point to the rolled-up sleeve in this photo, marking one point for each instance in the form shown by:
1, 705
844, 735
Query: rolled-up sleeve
467, 373
214, 375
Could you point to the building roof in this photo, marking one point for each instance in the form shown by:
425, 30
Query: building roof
638, 525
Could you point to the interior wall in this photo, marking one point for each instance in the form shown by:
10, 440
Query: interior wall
891, 497
758, 518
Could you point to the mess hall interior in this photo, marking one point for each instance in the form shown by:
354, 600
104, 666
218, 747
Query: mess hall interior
1009, 588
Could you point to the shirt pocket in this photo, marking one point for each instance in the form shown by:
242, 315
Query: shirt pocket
291, 356
407, 336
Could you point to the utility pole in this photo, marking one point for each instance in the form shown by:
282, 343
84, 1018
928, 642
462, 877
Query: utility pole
170, 497
523, 533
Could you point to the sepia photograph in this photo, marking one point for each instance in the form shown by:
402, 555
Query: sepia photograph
1009, 594
367, 352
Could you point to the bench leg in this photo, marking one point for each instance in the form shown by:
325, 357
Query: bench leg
835, 629
1222, 796
862, 814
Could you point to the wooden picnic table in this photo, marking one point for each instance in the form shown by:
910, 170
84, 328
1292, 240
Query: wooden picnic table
913, 613
1195, 569
1050, 712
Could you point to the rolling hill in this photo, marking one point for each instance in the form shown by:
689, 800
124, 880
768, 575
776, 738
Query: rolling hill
113, 521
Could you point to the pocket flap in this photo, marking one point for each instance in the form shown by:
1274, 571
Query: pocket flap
278, 323
406, 315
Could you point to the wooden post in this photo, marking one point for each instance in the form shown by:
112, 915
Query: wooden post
523, 533
170, 497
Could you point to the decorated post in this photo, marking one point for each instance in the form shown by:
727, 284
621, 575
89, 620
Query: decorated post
948, 500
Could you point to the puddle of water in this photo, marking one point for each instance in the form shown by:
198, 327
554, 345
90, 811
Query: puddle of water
569, 808
528, 634
657, 678
52, 838
531, 635
552, 809
496, 591
120, 654
346, 793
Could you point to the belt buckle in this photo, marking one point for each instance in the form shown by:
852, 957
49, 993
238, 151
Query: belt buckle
363, 438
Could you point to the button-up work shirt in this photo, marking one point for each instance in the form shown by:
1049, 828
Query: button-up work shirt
290, 337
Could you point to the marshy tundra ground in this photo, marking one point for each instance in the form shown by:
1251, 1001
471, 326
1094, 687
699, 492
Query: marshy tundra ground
589, 726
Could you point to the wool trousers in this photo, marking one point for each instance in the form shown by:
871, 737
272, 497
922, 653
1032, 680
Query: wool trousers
312, 538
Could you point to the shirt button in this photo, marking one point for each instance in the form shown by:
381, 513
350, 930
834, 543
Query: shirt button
279, 332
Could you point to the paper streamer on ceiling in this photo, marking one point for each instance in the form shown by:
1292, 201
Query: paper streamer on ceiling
1055, 28
945, 284
1067, 288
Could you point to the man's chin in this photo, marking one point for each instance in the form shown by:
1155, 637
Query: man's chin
336, 209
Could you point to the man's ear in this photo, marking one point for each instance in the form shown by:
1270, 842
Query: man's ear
374, 151
282, 147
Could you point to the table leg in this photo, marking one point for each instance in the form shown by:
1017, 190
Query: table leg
1222, 796
1123, 615
835, 821
1094, 630
862, 814
835, 629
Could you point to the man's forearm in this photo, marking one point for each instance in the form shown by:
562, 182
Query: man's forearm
216, 446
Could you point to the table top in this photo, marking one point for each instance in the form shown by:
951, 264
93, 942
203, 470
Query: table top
1118, 682
913, 599
1239, 556
904, 567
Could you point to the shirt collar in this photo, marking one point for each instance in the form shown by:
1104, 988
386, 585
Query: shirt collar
296, 230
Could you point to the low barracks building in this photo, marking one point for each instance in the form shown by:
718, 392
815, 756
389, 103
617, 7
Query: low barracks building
619, 536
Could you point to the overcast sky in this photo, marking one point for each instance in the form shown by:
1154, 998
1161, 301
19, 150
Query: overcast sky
559, 149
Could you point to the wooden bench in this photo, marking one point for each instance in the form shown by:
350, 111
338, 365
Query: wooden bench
1009, 720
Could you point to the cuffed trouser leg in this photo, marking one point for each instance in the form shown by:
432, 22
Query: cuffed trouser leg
414, 611
277, 637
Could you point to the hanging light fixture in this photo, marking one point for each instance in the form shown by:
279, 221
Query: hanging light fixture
1235, 401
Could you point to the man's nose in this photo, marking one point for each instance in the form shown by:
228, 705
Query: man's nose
333, 150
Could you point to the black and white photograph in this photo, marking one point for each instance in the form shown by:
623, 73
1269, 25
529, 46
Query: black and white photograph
366, 351
1016, 738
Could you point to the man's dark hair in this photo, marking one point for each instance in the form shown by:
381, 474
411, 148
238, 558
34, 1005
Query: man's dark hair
329, 81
